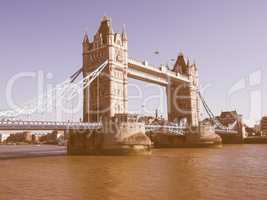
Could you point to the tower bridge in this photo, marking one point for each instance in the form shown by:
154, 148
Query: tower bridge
108, 94
106, 68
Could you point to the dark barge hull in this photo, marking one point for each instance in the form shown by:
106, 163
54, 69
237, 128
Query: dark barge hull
231, 138
256, 140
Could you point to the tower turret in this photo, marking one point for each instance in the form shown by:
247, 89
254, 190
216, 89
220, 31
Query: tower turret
85, 43
86, 48
105, 29
124, 34
124, 37
85, 38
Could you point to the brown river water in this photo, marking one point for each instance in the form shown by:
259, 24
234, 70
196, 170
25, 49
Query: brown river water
233, 172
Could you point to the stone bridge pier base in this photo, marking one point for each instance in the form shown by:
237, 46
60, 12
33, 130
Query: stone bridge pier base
114, 138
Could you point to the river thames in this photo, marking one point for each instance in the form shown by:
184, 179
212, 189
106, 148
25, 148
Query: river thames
231, 172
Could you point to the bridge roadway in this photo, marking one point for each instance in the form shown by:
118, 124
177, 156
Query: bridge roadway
227, 131
49, 125
46, 125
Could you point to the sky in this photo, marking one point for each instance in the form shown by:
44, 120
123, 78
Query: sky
227, 39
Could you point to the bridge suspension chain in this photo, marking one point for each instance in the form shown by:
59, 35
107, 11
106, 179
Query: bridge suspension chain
66, 89
84, 83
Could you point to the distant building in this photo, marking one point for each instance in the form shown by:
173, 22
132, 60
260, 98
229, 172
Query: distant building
146, 119
21, 137
3, 137
55, 137
229, 117
252, 131
234, 121
263, 125
36, 139
51, 138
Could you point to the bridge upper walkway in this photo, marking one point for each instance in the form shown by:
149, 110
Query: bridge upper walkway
143, 71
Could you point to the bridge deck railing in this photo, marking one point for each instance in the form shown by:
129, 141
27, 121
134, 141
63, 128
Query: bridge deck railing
47, 124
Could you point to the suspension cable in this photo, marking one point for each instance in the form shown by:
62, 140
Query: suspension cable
40, 103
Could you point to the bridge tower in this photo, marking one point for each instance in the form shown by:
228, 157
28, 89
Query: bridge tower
107, 95
182, 97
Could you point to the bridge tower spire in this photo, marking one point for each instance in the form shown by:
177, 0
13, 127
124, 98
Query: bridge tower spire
107, 95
